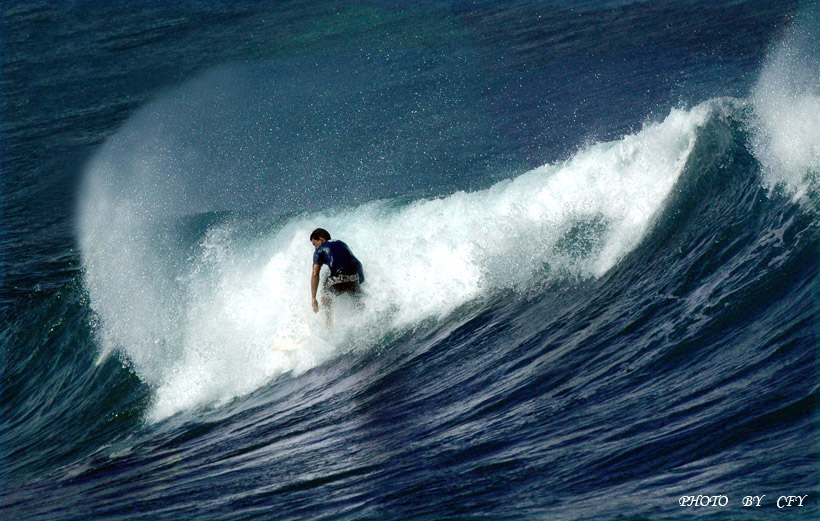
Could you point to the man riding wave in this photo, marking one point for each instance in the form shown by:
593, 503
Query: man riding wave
346, 273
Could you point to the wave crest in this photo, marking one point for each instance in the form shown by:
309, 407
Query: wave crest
193, 312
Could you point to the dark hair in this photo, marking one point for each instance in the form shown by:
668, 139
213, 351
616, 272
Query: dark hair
320, 233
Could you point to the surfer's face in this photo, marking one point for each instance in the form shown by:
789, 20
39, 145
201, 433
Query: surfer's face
317, 242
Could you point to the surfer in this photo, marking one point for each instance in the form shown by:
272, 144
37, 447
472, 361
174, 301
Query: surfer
346, 274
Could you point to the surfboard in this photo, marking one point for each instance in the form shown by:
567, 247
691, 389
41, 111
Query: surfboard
289, 346
289, 343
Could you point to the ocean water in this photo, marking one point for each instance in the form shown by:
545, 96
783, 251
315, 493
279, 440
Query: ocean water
590, 234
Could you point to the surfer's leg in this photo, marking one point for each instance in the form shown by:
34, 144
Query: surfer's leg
326, 303
358, 301
350, 288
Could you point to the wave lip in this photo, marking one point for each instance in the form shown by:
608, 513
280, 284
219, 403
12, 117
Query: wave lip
194, 326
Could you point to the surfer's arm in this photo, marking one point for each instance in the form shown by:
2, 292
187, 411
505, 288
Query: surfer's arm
314, 286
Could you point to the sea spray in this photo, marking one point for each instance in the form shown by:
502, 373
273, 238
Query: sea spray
786, 100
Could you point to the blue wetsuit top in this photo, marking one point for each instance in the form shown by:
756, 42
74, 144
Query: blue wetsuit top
339, 259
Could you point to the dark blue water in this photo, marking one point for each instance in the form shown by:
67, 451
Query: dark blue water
590, 235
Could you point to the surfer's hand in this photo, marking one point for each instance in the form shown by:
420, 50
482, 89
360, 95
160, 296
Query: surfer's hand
315, 306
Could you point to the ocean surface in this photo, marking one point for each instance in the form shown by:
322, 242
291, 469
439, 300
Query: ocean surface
590, 232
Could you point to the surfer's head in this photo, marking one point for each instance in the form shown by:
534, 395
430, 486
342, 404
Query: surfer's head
319, 236
320, 233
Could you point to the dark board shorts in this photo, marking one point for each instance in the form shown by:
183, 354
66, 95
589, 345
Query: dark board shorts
339, 284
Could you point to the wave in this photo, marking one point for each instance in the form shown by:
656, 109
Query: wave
192, 311
191, 276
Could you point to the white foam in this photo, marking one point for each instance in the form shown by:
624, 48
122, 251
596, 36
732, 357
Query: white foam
196, 329
786, 100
